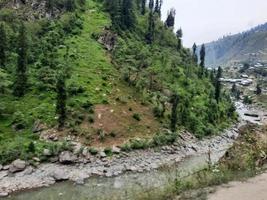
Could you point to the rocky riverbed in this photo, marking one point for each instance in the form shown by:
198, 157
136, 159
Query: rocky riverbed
79, 165
21, 176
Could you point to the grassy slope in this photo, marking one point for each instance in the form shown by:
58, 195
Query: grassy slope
90, 68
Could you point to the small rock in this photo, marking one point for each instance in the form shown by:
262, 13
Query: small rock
17, 166
116, 150
67, 157
60, 175
102, 154
80, 181
47, 152
1, 167
3, 174
53, 159
36, 159
6, 167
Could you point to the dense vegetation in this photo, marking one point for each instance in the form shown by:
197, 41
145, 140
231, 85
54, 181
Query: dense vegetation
54, 72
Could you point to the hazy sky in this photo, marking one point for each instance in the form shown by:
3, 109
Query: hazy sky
206, 20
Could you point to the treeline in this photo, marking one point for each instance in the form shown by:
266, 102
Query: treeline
29, 58
151, 57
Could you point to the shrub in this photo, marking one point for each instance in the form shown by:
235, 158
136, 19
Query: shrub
137, 117
31, 147
93, 151
161, 139
126, 147
139, 144
101, 135
91, 119
108, 151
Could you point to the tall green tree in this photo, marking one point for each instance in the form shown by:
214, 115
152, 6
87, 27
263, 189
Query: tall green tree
158, 6
61, 100
3, 46
127, 14
20, 84
70, 5
202, 58
114, 8
170, 21
174, 117
179, 35
151, 5
218, 84
143, 7
151, 28
194, 48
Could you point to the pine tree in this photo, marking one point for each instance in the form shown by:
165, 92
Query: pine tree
170, 18
114, 8
143, 7
174, 101
218, 85
202, 59
151, 5
50, 5
20, 83
61, 100
194, 48
158, 6
70, 5
127, 15
151, 28
3, 46
179, 35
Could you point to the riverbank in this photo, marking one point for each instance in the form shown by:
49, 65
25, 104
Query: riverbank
136, 161
80, 165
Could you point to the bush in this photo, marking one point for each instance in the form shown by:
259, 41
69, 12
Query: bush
108, 151
139, 144
93, 151
137, 117
101, 135
161, 139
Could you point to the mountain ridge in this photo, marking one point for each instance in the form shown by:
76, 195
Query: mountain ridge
248, 46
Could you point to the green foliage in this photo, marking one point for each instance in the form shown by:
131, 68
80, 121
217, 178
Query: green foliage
20, 84
61, 100
108, 151
137, 116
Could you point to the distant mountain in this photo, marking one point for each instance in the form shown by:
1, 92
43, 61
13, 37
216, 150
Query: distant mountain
246, 46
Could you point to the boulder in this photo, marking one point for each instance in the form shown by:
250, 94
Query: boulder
3, 194
60, 175
17, 166
102, 154
116, 150
67, 157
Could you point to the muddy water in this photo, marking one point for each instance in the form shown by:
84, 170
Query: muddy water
125, 187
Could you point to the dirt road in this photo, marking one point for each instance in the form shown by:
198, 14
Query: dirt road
253, 189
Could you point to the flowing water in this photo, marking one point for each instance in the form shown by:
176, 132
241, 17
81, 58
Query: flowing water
128, 186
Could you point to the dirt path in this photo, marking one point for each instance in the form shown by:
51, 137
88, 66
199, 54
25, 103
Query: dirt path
253, 189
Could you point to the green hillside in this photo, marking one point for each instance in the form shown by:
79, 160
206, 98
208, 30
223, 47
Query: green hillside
138, 89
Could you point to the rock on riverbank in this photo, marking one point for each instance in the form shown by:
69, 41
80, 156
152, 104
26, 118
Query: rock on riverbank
81, 168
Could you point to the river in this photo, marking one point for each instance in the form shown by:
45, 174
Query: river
131, 185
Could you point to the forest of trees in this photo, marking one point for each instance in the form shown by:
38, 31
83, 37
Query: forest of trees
38, 67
